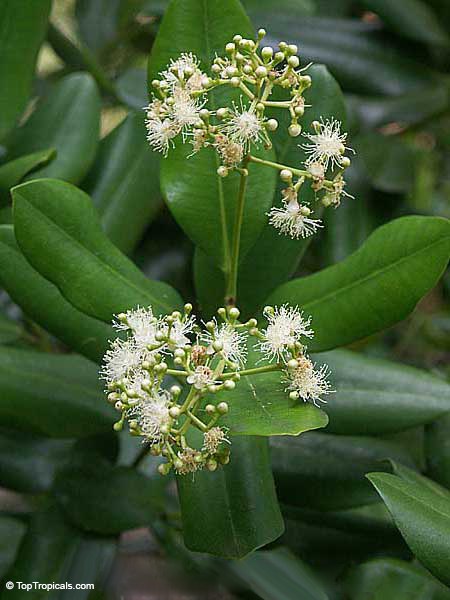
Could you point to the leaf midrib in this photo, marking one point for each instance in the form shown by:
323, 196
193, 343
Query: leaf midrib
370, 276
106, 266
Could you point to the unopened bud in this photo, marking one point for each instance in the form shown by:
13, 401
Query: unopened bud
294, 130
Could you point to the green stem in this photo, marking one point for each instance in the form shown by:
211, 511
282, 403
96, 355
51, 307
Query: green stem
177, 373
257, 370
274, 165
231, 290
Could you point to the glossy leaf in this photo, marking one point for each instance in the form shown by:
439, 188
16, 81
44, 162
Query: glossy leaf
67, 119
54, 395
387, 577
11, 533
327, 472
421, 511
12, 173
203, 203
22, 30
277, 256
124, 183
356, 54
77, 257
234, 510
437, 449
278, 575
10, 331
414, 19
43, 303
376, 286
108, 500
132, 87
44, 553
375, 396
29, 463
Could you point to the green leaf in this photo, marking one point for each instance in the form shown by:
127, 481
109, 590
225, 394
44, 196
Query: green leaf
108, 500
54, 395
29, 463
234, 510
376, 286
10, 331
276, 256
410, 18
11, 533
437, 450
124, 183
68, 119
203, 203
22, 30
392, 578
422, 513
390, 162
278, 575
41, 301
327, 472
44, 554
375, 396
77, 256
14, 171
360, 58
132, 87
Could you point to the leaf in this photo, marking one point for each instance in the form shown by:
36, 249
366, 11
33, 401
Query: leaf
203, 203
412, 18
374, 287
29, 463
273, 255
391, 578
67, 119
108, 500
44, 553
359, 57
41, 301
375, 396
234, 510
132, 87
54, 395
278, 575
437, 450
124, 183
10, 331
12, 173
327, 472
11, 533
389, 161
77, 257
423, 516
22, 30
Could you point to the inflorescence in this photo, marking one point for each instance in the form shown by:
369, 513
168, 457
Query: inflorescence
141, 368
180, 107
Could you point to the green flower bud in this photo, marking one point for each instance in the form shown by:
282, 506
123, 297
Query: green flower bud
222, 408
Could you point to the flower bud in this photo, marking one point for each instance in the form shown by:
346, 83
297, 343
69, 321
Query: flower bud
292, 48
222, 171
222, 113
305, 211
230, 48
235, 82
210, 409
292, 364
261, 72
234, 313
248, 69
164, 468
174, 412
293, 61
262, 33
286, 175
294, 130
222, 408
267, 53
293, 395
272, 124
228, 385
211, 464
279, 56
345, 162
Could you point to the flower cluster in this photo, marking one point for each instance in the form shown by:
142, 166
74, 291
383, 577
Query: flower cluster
141, 366
246, 121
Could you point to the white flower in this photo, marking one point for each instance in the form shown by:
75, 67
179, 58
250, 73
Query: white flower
142, 323
233, 343
185, 67
293, 220
121, 360
152, 415
160, 133
230, 152
179, 332
243, 127
185, 110
327, 144
286, 327
201, 377
191, 461
307, 382
213, 438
